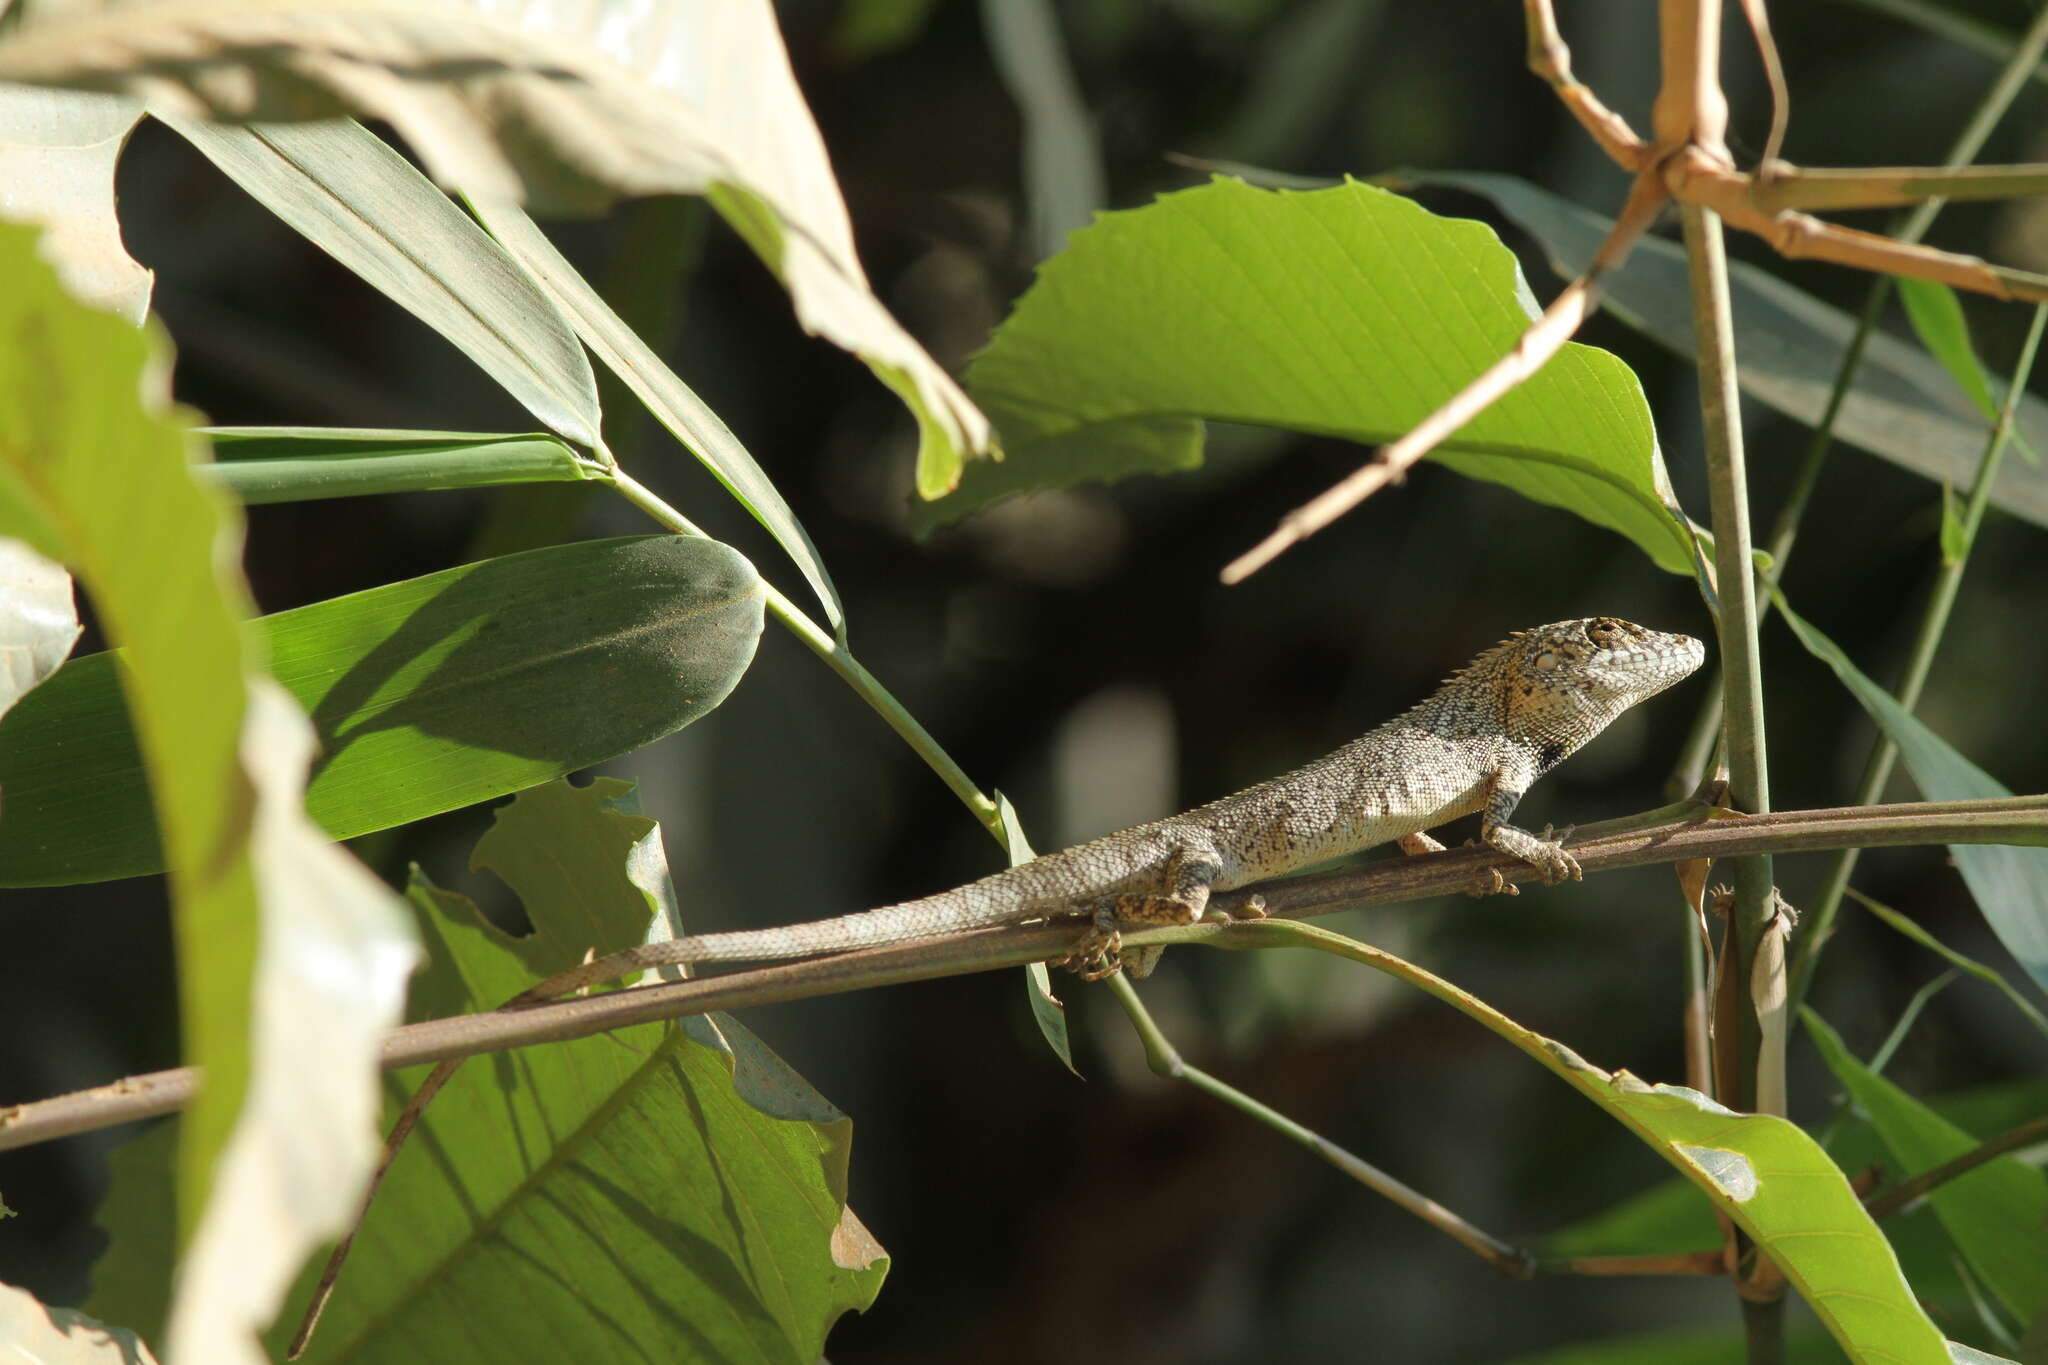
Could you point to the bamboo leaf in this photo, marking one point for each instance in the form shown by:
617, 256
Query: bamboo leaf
429, 694
1937, 317
674, 404
566, 108
364, 204
292, 464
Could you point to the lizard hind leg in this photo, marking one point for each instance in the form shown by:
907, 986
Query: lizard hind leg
1182, 897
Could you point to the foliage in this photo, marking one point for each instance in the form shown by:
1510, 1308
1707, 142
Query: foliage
677, 1190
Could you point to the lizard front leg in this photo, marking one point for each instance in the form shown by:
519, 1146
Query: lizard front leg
1543, 853
1180, 895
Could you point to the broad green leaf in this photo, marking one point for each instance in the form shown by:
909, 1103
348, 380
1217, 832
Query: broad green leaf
1761, 1171
1997, 1213
57, 155
292, 464
661, 1193
37, 1334
429, 694
38, 620
364, 204
289, 959
1902, 405
688, 418
1046, 1010
2010, 884
2027, 1008
1937, 317
563, 107
1350, 312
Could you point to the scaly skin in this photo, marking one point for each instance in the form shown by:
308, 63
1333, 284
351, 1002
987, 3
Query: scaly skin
1476, 744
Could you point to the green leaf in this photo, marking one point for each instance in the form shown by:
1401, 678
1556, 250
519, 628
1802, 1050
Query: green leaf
674, 404
364, 204
293, 464
35, 1333
281, 938
2026, 1007
565, 108
663, 1184
1901, 405
2010, 884
57, 155
712, 1176
1762, 1172
1350, 312
428, 695
1997, 1213
1937, 317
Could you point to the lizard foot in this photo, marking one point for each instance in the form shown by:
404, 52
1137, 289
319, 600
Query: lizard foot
1098, 953
1491, 883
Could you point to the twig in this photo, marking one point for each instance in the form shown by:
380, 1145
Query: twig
1889, 1201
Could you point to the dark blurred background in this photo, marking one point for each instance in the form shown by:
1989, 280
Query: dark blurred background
1075, 650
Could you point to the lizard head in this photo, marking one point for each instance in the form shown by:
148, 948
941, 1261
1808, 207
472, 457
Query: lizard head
1562, 683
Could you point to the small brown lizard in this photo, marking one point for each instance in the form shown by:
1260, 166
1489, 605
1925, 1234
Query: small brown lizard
1476, 744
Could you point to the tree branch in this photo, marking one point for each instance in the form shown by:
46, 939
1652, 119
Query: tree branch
1599, 848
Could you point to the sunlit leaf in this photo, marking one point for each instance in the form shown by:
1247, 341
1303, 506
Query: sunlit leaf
1350, 312
57, 155
38, 620
40, 1335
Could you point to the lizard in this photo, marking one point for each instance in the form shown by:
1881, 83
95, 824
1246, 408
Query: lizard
1477, 743
1487, 733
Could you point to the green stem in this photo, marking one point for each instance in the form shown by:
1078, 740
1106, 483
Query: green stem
841, 661
1926, 643
1165, 1061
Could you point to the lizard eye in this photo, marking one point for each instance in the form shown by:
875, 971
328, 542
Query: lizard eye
1603, 632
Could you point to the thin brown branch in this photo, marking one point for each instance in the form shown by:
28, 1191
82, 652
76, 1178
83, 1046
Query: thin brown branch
1774, 76
1615, 844
1550, 59
1890, 1201
1545, 337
